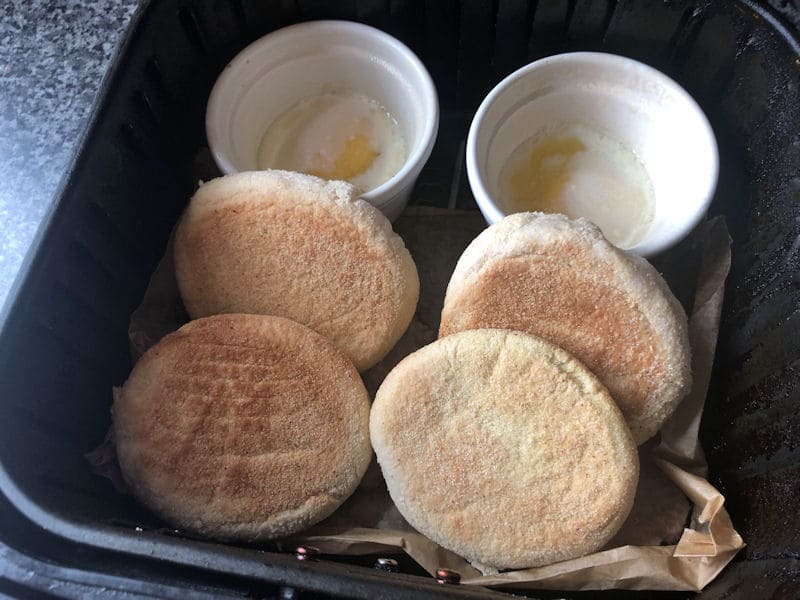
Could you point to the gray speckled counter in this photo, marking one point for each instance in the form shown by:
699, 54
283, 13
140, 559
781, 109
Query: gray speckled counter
53, 55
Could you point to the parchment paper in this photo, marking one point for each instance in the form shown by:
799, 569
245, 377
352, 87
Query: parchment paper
678, 535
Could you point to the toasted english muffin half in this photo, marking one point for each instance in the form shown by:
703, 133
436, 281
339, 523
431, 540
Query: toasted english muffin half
504, 449
563, 281
242, 427
296, 246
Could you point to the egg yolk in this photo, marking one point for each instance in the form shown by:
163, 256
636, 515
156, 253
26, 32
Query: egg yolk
537, 184
335, 136
580, 171
356, 157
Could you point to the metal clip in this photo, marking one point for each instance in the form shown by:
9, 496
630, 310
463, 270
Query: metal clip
306, 553
448, 576
386, 564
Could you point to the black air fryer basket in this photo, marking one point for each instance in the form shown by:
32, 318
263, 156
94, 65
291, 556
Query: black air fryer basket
63, 342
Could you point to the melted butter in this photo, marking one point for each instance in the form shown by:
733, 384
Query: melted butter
579, 171
344, 136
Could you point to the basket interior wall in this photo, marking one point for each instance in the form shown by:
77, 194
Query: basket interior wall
64, 342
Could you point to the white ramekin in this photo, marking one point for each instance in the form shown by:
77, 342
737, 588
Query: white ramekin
641, 107
276, 71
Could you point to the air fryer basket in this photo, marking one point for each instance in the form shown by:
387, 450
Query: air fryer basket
63, 342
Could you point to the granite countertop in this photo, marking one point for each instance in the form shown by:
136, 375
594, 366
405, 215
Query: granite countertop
53, 56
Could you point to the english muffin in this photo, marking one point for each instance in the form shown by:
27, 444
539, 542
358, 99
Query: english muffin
563, 281
504, 449
242, 427
296, 246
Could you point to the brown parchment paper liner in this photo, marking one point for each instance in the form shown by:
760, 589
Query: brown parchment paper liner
678, 535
